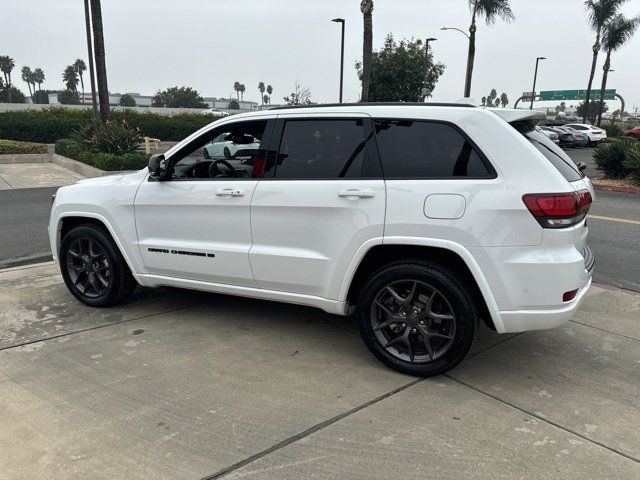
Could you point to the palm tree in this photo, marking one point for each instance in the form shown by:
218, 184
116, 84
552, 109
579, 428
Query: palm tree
80, 67
101, 66
615, 34
38, 77
27, 76
236, 87
242, 89
261, 89
6, 65
366, 7
269, 92
491, 10
70, 78
599, 12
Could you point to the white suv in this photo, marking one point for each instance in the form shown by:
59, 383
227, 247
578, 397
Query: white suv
421, 220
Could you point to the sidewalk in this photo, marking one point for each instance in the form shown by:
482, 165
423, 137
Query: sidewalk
181, 384
34, 175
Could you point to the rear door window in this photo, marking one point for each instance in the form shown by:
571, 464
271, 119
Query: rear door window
555, 155
412, 149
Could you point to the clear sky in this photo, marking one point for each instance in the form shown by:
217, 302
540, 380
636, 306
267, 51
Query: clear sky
209, 44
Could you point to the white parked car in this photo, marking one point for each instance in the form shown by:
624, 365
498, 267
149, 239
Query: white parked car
421, 220
595, 135
553, 136
229, 145
215, 112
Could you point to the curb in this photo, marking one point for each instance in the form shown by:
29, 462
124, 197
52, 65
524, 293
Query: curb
617, 188
75, 166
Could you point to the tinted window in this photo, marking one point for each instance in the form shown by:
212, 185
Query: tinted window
555, 155
321, 149
417, 149
578, 127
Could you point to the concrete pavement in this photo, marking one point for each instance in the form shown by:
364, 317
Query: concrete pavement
179, 384
35, 175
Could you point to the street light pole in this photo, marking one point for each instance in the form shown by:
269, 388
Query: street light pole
87, 17
425, 91
341, 21
467, 86
535, 76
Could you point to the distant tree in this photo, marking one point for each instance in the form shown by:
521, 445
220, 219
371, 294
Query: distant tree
398, 71
366, 7
10, 94
484, 101
242, 90
236, 87
617, 32
27, 77
127, 100
68, 97
592, 113
80, 67
70, 78
6, 66
492, 96
504, 100
178, 97
261, 89
490, 10
269, 92
38, 77
299, 96
561, 108
41, 96
234, 105
266, 99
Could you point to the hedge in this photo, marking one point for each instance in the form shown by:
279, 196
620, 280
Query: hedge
13, 147
103, 161
51, 124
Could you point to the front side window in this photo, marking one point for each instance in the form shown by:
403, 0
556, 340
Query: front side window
231, 151
322, 149
423, 149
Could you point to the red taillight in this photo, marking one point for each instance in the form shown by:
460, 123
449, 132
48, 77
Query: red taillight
568, 296
557, 210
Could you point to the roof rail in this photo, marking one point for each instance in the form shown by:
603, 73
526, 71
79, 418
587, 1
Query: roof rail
377, 104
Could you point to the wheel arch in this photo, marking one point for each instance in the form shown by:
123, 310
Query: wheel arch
432, 251
69, 220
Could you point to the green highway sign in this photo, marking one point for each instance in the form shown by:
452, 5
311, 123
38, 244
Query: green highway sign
609, 94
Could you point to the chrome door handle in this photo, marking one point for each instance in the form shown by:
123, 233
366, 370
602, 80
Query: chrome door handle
230, 192
356, 193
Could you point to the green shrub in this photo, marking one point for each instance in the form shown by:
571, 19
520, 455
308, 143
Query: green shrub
127, 100
632, 163
234, 105
50, 124
610, 157
114, 137
67, 97
612, 130
16, 95
41, 97
68, 148
13, 147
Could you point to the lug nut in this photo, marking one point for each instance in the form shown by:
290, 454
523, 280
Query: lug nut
414, 331
421, 322
404, 314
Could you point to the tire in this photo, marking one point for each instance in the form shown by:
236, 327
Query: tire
205, 153
437, 290
227, 152
89, 258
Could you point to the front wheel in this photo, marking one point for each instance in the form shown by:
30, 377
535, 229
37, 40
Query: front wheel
93, 268
417, 319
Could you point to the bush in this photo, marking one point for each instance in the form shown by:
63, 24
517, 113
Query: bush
234, 105
41, 97
13, 147
610, 157
632, 163
114, 137
67, 97
50, 124
612, 130
127, 100
103, 161
16, 95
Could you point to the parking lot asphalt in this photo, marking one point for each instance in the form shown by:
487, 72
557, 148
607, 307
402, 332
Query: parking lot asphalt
178, 384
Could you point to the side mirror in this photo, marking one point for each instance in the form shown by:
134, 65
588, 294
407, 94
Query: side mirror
157, 167
581, 166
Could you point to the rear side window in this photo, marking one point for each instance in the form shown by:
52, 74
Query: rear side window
423, 149
322, 149
555, 155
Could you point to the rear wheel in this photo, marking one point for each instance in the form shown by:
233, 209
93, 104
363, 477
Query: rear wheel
417, 319
93, 267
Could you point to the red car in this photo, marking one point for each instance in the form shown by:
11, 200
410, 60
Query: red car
634, 132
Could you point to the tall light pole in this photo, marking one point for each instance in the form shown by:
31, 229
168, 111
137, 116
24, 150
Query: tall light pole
341, 21
87, 19
425, 91
535, 76
467, 85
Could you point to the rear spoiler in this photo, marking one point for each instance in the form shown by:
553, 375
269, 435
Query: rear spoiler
522, 120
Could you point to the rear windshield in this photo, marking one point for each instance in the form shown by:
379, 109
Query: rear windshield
555, 155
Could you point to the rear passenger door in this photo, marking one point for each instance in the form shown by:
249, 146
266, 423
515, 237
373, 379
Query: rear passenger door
322, 197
